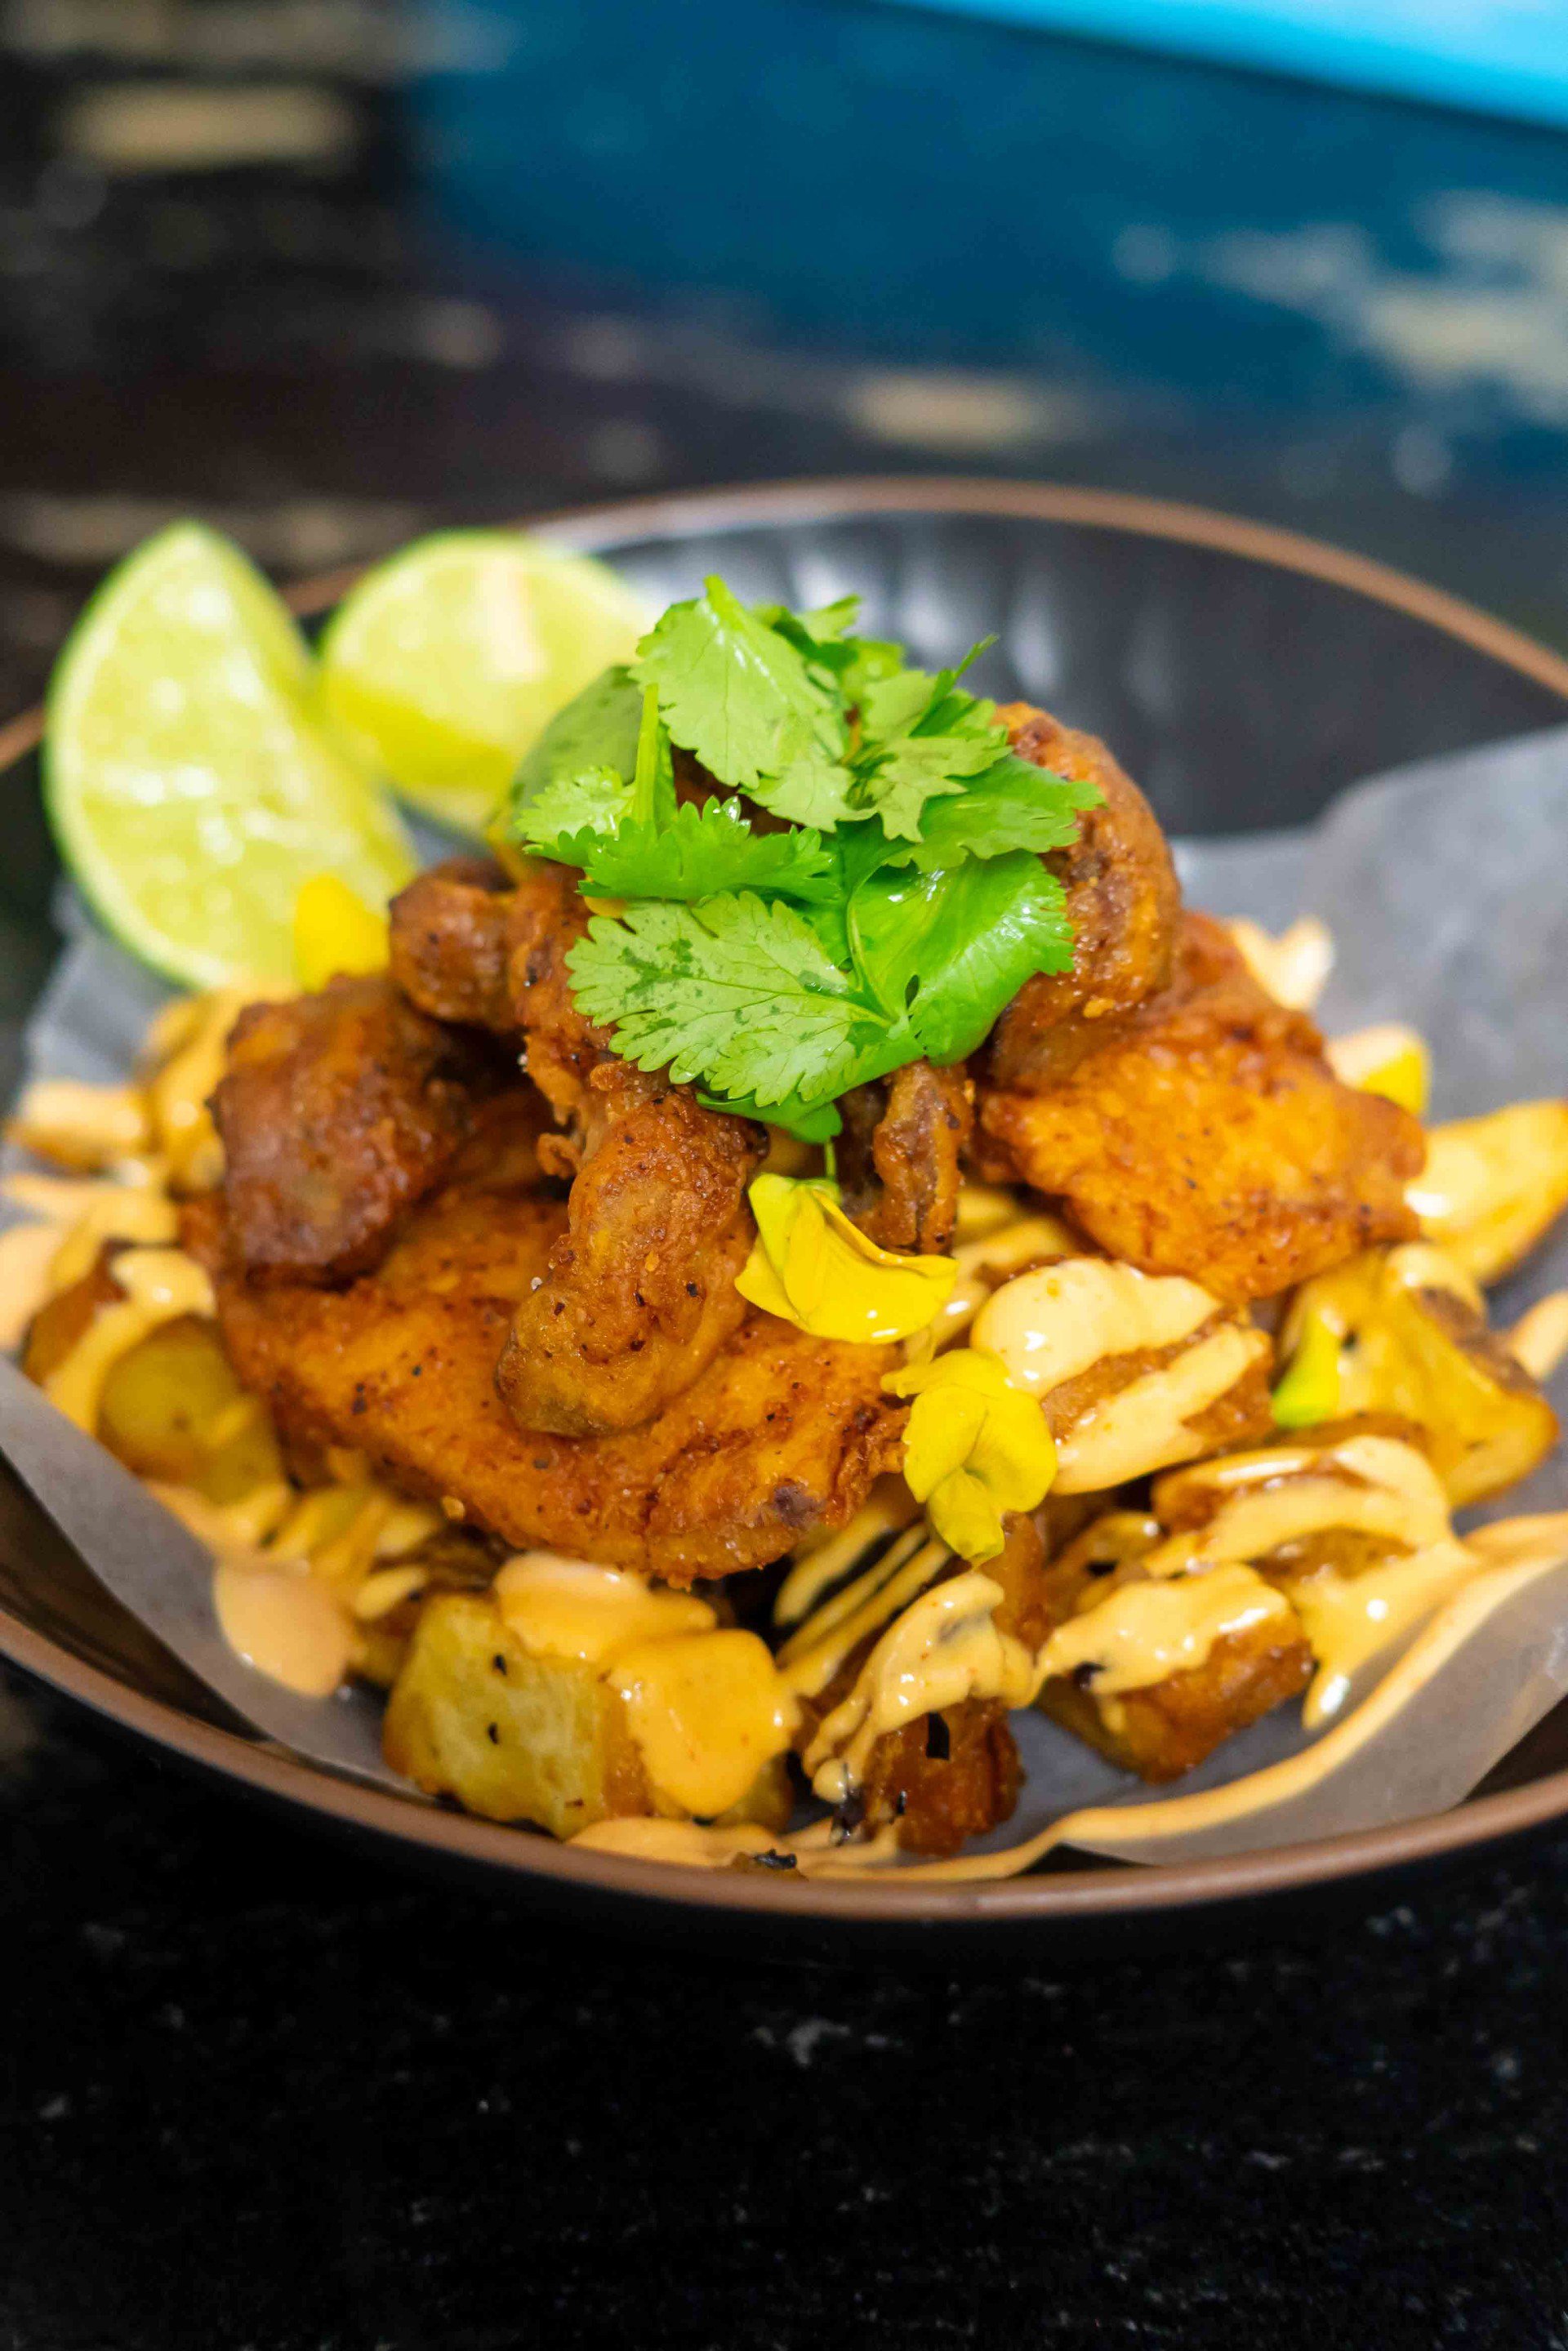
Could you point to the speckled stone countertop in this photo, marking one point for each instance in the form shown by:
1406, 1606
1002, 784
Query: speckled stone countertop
260, 2094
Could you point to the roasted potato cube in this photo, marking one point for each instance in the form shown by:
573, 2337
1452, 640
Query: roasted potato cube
172, 1410
514, 1737
1492, 1185
1167, 1727
1170, 1728
1412, 1342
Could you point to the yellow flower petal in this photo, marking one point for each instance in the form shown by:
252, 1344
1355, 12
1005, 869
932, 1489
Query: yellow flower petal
1310, 1390
1390, 1060
815, 1269
964, 1515
335, 931
975, 1447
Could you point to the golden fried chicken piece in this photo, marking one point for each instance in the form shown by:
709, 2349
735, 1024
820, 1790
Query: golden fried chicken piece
782, 1434
1205, 1134
900, 1153
338, 1111
640, 1293
1125, 905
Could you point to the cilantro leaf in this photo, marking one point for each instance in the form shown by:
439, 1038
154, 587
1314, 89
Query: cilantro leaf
921, 740
736, 991
949, 950
813, 1121
598, 728
745, 701
1012, 804
568, 815
703, 851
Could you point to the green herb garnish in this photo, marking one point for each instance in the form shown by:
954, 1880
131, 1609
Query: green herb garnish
898, 907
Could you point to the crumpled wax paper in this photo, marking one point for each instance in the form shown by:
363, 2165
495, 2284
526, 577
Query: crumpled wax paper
1445, 887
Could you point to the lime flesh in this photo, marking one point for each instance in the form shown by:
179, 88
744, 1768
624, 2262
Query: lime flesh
446, 662
190, 783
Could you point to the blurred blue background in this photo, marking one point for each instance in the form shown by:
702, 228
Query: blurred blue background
332, 270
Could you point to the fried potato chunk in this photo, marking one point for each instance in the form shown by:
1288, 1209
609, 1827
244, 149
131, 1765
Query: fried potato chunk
1169, 1727
475, 1715
1124, 901
1205, 1134
1173, 1727
782, 1433
337, 1112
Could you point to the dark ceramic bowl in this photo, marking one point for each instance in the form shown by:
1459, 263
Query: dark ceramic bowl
1244, 676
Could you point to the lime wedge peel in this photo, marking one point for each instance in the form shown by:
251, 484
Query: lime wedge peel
445, 664
190, 781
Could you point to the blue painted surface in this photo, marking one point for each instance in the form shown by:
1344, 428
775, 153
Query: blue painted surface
1510, 57
1138, 235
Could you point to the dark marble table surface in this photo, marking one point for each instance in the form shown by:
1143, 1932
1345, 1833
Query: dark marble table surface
255, 2092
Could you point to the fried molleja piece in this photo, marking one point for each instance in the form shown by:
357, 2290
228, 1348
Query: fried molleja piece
781, 1432
1124, 901
1205, 1134
899, 1159
639, 1294
338, 1111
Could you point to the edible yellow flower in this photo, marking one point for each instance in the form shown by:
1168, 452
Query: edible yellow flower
1389, 1059
335, 931
813, 1268
975, 1447
1310, 1390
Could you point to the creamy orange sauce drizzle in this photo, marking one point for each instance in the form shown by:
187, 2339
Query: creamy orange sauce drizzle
185, 1060
27, 1254
1509, 1556
705, 1704
1050, 1325
1143, 1633
817, 1570
79, 1125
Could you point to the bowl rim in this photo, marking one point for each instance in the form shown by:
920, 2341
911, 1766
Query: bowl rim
1100, 1892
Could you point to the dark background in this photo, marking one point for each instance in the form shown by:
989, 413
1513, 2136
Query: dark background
328, 272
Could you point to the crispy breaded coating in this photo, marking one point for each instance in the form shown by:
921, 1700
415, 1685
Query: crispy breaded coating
900, 1155
338, 1111
1124, 901
640, 1293
781, 1432
1205, 1134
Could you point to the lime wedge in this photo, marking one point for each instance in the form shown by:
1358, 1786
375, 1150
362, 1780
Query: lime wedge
448, 662
190, 785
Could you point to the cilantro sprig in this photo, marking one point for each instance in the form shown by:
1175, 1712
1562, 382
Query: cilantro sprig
864, 888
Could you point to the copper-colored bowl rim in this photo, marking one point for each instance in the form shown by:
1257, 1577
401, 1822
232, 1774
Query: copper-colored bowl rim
1096, 1893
